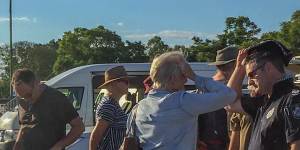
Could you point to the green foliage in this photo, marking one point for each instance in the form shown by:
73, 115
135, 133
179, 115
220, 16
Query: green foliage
37, 57
156, 46
203, 50
239, 31
88, 46
100, 45
4, 87
289, 33
137, 52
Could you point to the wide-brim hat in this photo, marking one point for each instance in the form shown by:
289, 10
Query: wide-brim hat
225, 56
114, 74
271, 48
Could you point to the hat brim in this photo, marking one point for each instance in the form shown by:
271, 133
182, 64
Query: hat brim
109, 81
217, 63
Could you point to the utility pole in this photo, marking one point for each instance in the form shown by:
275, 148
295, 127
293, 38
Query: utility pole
10, 48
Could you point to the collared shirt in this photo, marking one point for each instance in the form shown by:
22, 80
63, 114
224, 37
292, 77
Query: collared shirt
277, 122
167, 120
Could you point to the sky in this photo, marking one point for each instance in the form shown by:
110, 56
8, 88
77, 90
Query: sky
176, 21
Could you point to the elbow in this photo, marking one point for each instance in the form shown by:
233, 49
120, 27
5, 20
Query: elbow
231, 95
78, 127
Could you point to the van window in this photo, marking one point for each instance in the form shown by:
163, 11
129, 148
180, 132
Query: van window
74, 94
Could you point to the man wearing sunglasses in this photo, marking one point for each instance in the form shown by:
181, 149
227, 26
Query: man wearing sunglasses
276, 122
43, 115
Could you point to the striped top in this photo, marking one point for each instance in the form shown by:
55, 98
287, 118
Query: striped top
110, 111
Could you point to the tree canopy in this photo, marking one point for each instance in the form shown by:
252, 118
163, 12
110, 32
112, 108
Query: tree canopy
84, 46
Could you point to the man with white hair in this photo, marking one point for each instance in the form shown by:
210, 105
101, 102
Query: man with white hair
167, 117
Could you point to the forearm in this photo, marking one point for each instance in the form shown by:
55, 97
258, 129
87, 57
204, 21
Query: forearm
295, 145
17, 145
236, 80
94, 140
209, 85
71, 137
234, 140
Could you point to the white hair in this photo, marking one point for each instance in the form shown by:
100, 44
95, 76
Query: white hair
165, 68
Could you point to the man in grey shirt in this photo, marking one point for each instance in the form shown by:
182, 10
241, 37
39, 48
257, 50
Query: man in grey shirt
167, 117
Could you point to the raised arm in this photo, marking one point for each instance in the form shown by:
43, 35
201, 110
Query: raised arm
236, 81
218, 95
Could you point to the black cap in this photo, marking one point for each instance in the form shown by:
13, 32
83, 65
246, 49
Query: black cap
271, 48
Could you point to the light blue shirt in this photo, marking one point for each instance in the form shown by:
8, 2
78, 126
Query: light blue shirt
168, 121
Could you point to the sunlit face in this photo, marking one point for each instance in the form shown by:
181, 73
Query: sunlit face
23, 89
257, 79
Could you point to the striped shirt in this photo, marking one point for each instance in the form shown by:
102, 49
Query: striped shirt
110, 111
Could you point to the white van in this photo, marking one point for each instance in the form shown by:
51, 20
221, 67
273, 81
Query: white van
80, 86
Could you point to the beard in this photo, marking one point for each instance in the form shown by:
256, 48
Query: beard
253, 91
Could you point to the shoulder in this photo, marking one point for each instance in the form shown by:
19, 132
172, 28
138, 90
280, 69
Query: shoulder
293, 97
106, 103
52, 92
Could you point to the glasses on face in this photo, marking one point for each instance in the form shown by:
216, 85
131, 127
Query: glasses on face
253, 73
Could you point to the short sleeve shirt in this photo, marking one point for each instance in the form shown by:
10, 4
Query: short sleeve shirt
110, 111
44, 122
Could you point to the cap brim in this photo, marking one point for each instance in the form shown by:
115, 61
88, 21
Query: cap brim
109, 81
217, 63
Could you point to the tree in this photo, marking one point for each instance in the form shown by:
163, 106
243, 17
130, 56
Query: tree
88, 46
240, 31
289, 33
136, 52
37, 57
203, 50
156, 46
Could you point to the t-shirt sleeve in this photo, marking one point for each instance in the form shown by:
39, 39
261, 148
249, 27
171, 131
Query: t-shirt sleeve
106, 112
251, 104
235, 120
292, 119
68, 109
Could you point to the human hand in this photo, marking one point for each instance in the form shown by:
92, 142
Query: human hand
201, 145
187, 70
241, 57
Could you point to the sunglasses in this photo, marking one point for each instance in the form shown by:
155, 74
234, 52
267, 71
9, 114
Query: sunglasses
253, 73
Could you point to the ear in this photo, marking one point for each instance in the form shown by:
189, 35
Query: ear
269, 67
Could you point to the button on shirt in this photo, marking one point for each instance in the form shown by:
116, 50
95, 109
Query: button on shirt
277, 122
168, 120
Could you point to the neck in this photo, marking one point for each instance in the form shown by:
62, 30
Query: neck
115, 96
37, 92
276, 78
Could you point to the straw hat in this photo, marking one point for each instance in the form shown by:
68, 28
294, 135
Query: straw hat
113, 74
